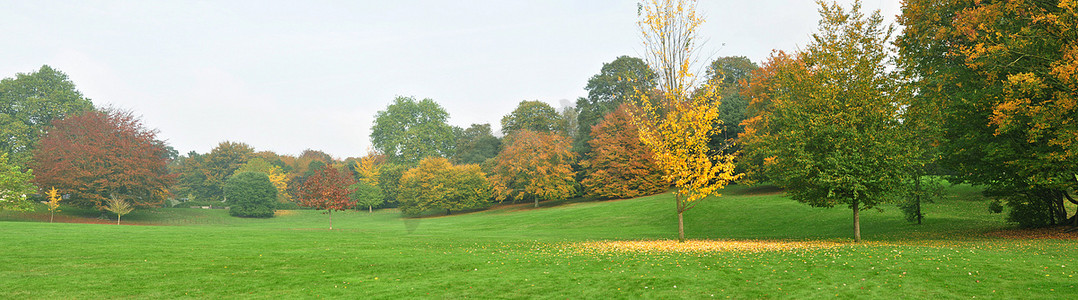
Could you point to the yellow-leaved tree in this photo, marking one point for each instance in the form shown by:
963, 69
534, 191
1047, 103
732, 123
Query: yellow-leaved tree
677, 120
53, 203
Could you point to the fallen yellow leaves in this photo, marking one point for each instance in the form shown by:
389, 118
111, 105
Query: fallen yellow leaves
704, 246
279, 213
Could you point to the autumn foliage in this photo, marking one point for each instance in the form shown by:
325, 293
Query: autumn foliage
678, 124
96, 154
327, 189
620, 166
437, 184
534, 165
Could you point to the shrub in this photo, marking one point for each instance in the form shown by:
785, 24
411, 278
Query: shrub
995, 206
251, 194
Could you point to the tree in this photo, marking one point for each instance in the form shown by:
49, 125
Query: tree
97, 154
534, 165
676, 125
366, 191
220, 164
389, 175
251, 195
327, 190
767, 86
410, 130
730, 71
616, 83
621, 165
839, 137
532, 115
53, 204
15, 184
29, 103
1001, 78
118, 206
476, 144
367, 194
437, 184
274, 173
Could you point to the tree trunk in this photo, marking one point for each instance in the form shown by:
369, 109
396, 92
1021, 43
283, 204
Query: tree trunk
118, 219
51, 214
918, 199
680, 218
447, 212
856, 222
680, 227
330, 212
370, 209
536, 202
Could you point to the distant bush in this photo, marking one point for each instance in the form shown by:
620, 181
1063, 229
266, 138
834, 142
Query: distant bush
251, 194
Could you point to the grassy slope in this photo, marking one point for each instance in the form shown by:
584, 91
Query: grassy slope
524, 253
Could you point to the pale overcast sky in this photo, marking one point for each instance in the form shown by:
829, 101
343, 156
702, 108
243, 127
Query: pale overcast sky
291, 75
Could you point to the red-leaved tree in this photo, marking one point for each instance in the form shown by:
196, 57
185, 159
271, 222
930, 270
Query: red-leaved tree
327, 189
97, 154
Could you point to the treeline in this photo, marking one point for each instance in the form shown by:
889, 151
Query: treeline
971, 92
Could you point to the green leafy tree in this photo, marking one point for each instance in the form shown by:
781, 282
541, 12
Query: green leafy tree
616, 83
389, 176
1002, 79
437, 184
409, 130
532, 115
15, 184
476, 144
840, 140
251, 195
29, 103
367, 194
729, 72
273, 172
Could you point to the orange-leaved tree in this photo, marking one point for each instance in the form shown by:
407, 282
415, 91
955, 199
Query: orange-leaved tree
621, 165
534, 165
676, 124
327, 189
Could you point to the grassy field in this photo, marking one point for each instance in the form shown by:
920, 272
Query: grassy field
961, 251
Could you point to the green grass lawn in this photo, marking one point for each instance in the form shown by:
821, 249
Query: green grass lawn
519, 252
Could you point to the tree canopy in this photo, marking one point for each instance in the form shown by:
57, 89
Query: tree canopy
98, 154
1000, 77
251, 195
621, 165
409, 130
28, 105
835, 137
15, 185
532, 115
437, 184
534, 166
616, 83
476, 144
